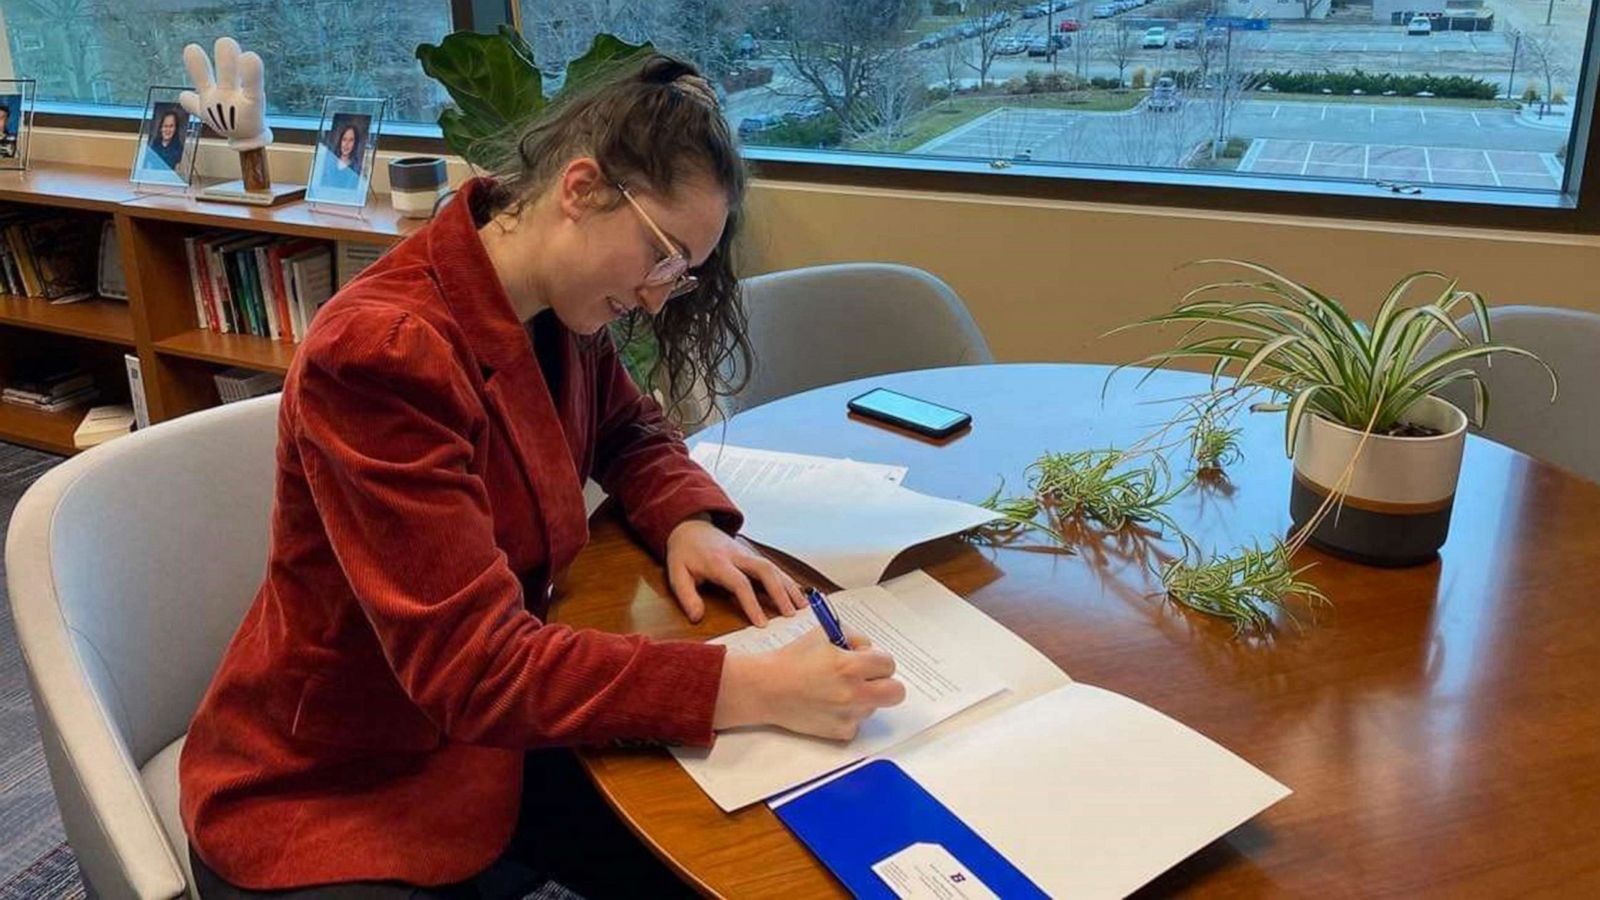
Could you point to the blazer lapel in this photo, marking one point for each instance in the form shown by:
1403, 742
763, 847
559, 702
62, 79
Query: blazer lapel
515, 389
521, 401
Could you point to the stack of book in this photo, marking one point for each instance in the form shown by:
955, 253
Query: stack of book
258, 284
52, 392
49, 255
101, 424
238, 384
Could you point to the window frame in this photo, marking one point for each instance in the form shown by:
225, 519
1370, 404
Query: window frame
1575, 210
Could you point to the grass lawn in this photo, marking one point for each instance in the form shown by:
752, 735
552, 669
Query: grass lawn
953, 113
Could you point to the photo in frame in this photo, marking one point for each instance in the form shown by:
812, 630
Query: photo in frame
169, 140
16, 121
347, 149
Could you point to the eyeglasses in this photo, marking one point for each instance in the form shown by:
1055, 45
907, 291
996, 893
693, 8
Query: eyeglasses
1399, 187
674, 267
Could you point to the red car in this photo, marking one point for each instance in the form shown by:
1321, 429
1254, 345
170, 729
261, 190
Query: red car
1069, 25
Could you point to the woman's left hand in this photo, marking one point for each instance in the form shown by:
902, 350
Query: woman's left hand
698, 551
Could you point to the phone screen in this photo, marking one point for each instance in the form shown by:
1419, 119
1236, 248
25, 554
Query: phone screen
909, 409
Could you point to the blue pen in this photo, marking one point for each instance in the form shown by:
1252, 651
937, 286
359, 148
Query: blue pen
826, 616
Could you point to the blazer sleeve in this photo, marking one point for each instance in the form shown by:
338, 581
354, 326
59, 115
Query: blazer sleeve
384, 414
640, 459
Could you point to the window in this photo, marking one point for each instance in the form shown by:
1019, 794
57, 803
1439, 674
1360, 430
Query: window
1391, 97
89, 52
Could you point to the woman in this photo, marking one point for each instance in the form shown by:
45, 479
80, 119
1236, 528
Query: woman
165, 144
369, 722
343, 171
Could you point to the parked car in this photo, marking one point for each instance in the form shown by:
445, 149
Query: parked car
1420, 25
1186, 38
1164, 96
1105, 11
1060, 5
758, 123
1154, 38
1045, 46
1035, 11
1010, 46
1068, 26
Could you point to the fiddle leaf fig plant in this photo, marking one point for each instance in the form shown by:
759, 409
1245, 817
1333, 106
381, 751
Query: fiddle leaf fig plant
498, 88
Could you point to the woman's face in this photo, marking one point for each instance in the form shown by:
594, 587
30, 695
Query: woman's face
169, 128
599, 263
347, 143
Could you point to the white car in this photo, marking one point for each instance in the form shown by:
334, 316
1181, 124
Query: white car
1421, 25
1154, 38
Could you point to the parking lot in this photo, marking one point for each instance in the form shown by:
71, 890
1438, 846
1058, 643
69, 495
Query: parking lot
1404, 163
1392, 143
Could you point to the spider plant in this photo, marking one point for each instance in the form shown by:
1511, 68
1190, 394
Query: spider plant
1093, 483
1019, 514
1307, 350
1243, 588
1212, 445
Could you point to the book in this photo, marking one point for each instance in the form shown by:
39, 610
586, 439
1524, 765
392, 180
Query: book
354, 257
312, 273
64, 251
101, 424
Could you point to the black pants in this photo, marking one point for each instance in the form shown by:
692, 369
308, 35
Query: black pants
567, 842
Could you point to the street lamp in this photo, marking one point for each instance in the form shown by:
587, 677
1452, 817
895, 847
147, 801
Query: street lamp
1516, 43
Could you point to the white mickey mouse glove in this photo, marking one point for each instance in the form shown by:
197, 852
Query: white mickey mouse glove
233, 104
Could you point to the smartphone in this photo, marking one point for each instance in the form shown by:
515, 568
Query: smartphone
909, 413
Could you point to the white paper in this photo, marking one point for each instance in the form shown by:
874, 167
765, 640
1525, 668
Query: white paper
1025, 672
942, 677
847, 526
928, 872
740, 470
1083, 774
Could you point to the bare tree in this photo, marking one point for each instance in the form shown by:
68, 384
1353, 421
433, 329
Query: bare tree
1084, 45
1310, 7
838, 50
1118, 47
986, 45
1545, 58
1232, 75
893, 100
954, 58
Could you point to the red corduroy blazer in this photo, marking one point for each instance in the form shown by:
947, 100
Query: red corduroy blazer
369, 718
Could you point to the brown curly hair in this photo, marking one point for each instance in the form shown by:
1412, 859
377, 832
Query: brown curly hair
653, 123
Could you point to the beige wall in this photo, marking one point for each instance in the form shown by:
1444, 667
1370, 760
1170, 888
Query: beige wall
1045, 279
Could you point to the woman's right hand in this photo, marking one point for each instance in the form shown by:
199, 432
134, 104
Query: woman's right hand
808, 686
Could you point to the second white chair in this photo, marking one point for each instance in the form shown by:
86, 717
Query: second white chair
826, 324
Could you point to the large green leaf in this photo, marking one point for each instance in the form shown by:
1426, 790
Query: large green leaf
606, 53
494, 83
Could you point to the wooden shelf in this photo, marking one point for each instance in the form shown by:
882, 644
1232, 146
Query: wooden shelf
68, 186
378, 223
99, 319
51, 432
244, 350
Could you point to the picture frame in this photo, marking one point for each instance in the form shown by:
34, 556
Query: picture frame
346, 151
16, 121
169, 142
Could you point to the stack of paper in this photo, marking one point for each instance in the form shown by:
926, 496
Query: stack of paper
846, 519
943, 675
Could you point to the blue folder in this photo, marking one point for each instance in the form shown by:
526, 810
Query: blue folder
874, 812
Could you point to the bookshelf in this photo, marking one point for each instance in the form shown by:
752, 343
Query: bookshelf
158, 322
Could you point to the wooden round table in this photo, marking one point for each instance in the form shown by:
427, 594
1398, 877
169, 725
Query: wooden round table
1439, 726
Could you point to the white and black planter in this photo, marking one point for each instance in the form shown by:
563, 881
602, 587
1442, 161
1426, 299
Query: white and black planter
1396, 509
